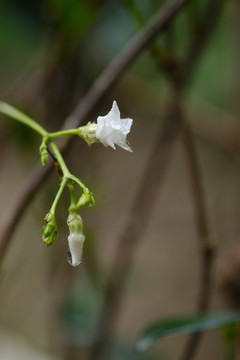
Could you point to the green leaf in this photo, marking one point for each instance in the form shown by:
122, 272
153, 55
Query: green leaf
182, 325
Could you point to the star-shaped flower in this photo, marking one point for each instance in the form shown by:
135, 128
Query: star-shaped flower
112, 130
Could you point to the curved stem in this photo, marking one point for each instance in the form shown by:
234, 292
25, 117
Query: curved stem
15, 114
59, 193
60, 160
79, 182
63, 167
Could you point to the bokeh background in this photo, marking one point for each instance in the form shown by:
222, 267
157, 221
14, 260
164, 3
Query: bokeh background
51, 53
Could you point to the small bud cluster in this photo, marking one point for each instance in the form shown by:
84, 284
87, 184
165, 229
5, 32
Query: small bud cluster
74, 222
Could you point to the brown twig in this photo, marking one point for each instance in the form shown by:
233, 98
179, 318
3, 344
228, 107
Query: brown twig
180, 76
138, 218
128, 240
99, 89
140, 212
208, 246
110, 76
206, 242
14, 213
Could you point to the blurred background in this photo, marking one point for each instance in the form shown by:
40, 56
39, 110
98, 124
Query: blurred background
51, 53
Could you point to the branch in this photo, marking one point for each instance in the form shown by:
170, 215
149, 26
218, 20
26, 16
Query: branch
99, 89
110, 76
15, 212
207, 244
138, 218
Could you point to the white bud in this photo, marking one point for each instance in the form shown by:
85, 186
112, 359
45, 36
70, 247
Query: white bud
75, 238
75, 243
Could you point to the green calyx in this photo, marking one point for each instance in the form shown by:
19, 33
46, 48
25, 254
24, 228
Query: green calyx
75, 223
88, 133
86, 199
49, 233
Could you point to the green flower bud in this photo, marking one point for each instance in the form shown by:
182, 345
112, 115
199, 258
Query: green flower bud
43, 153
86, 199
50, 230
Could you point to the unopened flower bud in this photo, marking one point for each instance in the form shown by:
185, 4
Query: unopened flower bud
43, 153
75, 238
50, 230
86, 199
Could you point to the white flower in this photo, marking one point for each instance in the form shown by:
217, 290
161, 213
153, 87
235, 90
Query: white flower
76, 238
112, 130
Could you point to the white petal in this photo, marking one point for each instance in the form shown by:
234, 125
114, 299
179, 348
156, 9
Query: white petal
126, 147
115, 109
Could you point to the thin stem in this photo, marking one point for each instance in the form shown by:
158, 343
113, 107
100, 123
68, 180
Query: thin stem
63, 166
59, 193
63, 133
60, 160
80, 183
15, 114
72, 195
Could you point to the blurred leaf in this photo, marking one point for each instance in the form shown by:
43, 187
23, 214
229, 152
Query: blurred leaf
230, 338
123, 352
230, 333
183, 325
77, 16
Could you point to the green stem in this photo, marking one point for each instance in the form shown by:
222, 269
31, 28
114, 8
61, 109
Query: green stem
60, 160
72, 196
63, 133
79, 182
15, 114
63, 166
59, 193
72, 193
